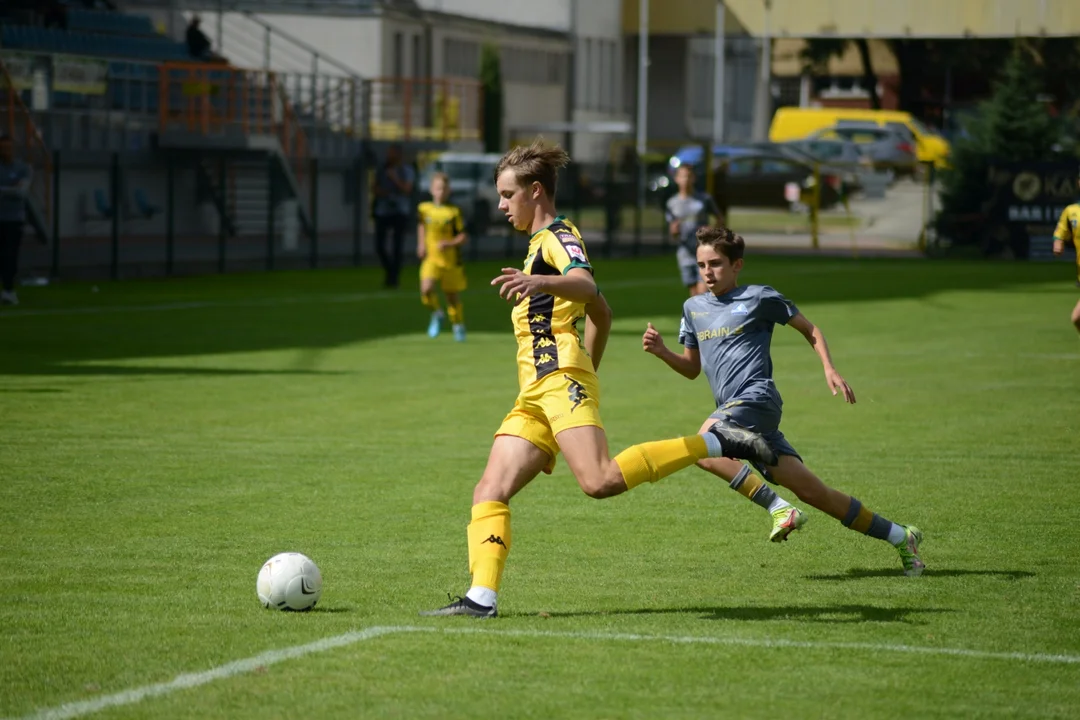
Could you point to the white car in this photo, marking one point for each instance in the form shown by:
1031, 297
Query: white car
472, 186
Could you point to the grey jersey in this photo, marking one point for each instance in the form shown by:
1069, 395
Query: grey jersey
692, 212
733, 332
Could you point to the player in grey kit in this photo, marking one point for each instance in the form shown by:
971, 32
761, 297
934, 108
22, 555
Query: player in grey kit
728, 333
688, 210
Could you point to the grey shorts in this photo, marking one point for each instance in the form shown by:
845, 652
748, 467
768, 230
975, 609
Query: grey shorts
760, 416
688, 268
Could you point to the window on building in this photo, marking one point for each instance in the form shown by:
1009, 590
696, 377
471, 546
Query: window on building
398, 67
588, 86
461, 58
417, 56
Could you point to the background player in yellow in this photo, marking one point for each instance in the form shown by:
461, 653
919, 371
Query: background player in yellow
439, 237
557, 408
1068, 230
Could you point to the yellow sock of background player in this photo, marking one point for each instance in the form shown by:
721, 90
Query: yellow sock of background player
456, 313
430, 301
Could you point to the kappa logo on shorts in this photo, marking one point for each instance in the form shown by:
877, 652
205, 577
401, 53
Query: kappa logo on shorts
495, 540
576, 393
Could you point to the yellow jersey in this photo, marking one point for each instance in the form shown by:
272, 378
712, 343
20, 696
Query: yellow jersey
1068, 230
546, 327
442, 223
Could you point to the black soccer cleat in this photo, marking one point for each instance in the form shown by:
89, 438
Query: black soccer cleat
462, 606
743, 444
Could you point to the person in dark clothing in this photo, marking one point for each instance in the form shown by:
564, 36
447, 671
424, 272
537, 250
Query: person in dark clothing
197, 43
14, 186
393, 203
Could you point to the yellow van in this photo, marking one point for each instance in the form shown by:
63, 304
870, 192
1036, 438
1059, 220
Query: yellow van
796, 123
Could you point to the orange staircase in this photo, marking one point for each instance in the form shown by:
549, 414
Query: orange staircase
17, 121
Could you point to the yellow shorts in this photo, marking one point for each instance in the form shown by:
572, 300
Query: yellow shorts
567, 398
450, 277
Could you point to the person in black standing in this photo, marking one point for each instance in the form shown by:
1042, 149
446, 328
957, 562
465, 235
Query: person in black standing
14, 185
394, 183
197, 43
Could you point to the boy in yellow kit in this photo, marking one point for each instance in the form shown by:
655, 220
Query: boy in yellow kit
1068, 230
439, 237
558, 404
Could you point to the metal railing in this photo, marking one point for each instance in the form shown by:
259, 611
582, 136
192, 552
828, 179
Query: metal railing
251, 40
19, 124
445, 109
216, 100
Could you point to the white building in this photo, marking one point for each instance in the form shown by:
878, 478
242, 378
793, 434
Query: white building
545, 81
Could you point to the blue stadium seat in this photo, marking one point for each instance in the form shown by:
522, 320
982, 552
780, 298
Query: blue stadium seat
154, 48
114, 23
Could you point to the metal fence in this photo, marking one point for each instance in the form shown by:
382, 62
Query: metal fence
136, 214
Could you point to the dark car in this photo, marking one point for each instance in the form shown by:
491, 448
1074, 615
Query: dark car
886, 147
748, 176
764, 180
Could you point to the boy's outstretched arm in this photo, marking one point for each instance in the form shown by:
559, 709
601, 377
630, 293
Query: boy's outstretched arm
816, 339
597, 328
688, 364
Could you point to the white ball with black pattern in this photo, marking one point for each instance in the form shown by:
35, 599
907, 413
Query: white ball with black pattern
289, 581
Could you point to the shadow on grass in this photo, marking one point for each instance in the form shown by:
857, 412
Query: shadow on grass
153, 371
834, 614
862, 573
62, 327
32, 391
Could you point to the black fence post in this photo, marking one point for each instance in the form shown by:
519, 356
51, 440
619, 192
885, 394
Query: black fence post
639, 179
313, 212
170, 213
360, 203
114, 202
577, 189
223, 226
270, 214
481, 216
55, 268
612, 208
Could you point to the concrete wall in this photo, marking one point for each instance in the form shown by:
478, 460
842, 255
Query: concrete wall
549, 14
81, 174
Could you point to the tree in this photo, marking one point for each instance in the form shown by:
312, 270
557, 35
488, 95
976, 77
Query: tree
1014, 125
818, 52
491, 82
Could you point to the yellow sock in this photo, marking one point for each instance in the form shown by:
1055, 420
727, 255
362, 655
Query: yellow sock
456, 313
749, 484
489, 543
651, 461
430, 300
862, 520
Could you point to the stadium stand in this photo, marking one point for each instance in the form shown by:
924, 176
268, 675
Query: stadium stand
55, 40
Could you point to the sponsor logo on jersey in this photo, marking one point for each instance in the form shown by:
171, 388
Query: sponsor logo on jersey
721, 332
575, 252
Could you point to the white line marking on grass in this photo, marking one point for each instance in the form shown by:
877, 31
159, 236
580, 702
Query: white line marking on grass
191, 680
780, 643
272, 657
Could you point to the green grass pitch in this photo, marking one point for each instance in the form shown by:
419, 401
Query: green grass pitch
161, 439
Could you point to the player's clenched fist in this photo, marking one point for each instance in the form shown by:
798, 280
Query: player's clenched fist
652, 341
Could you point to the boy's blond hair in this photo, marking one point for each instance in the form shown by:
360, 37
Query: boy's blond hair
535, 162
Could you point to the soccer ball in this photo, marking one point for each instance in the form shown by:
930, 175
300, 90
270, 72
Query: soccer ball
289, 581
